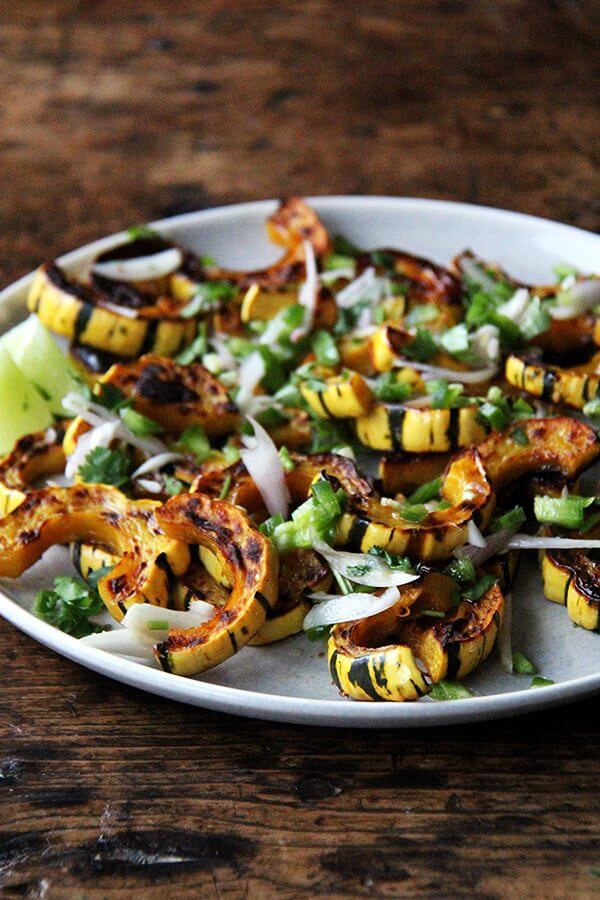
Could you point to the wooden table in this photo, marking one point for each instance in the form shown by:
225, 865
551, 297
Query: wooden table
116, 113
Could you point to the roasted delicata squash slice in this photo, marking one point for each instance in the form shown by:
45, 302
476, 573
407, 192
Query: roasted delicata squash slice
243, 492
467, 494
100, 514
572, 578
261, 303
532, 447
251, 565
419, 429
175, 396
343, 396
84, 315
301, 572
397, 654
293, 223
403, 473
573, 386
558, 446
33, 458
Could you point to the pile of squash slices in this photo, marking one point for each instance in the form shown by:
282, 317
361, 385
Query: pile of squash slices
354, 443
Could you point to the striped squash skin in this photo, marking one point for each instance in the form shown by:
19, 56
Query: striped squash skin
415, 430
341, 398
72, 314
450, 648
564, 581
574, 387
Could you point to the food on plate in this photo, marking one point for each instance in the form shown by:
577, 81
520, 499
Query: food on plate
350, 445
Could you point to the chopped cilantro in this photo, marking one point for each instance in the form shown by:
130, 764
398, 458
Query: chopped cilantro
69, 605
104, 466
422, 347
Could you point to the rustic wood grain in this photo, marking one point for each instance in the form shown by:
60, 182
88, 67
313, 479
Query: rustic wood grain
116, 113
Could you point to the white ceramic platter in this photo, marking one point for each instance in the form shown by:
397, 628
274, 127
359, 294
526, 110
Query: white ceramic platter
289, 681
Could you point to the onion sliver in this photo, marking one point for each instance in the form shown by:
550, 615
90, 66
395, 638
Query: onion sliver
252, 370
308, 293
539, 542
475, 376
141, 268
264, 466
333, 608
362, 568
354, 291
146, 619
155, 463
475, 536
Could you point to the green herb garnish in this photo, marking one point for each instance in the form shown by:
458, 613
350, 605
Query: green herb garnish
194, 441
539, 681
104, 466
139, 424
69, 605
449, 690
522, 665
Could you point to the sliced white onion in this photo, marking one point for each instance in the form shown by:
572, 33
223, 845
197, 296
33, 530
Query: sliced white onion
578, 299
141, 268
357, 289
333, 608
264, 466
124, 311
144, 618
308, 293
505, 637
276, 327
485, 343
252, 370
475, 376
122, 641
222, 350
494, 543
475, 536
514, 308
378, 573
155, 463
151, 487
94, 414
539, 542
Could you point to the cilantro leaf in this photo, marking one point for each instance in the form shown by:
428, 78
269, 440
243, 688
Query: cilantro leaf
104, 466
69, 605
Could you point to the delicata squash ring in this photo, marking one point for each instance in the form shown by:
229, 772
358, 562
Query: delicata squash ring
573, 386
572, 578
33, 458
80, 313
101, 514
174, 395
561, 446
414, 429
376, 658
251, 565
